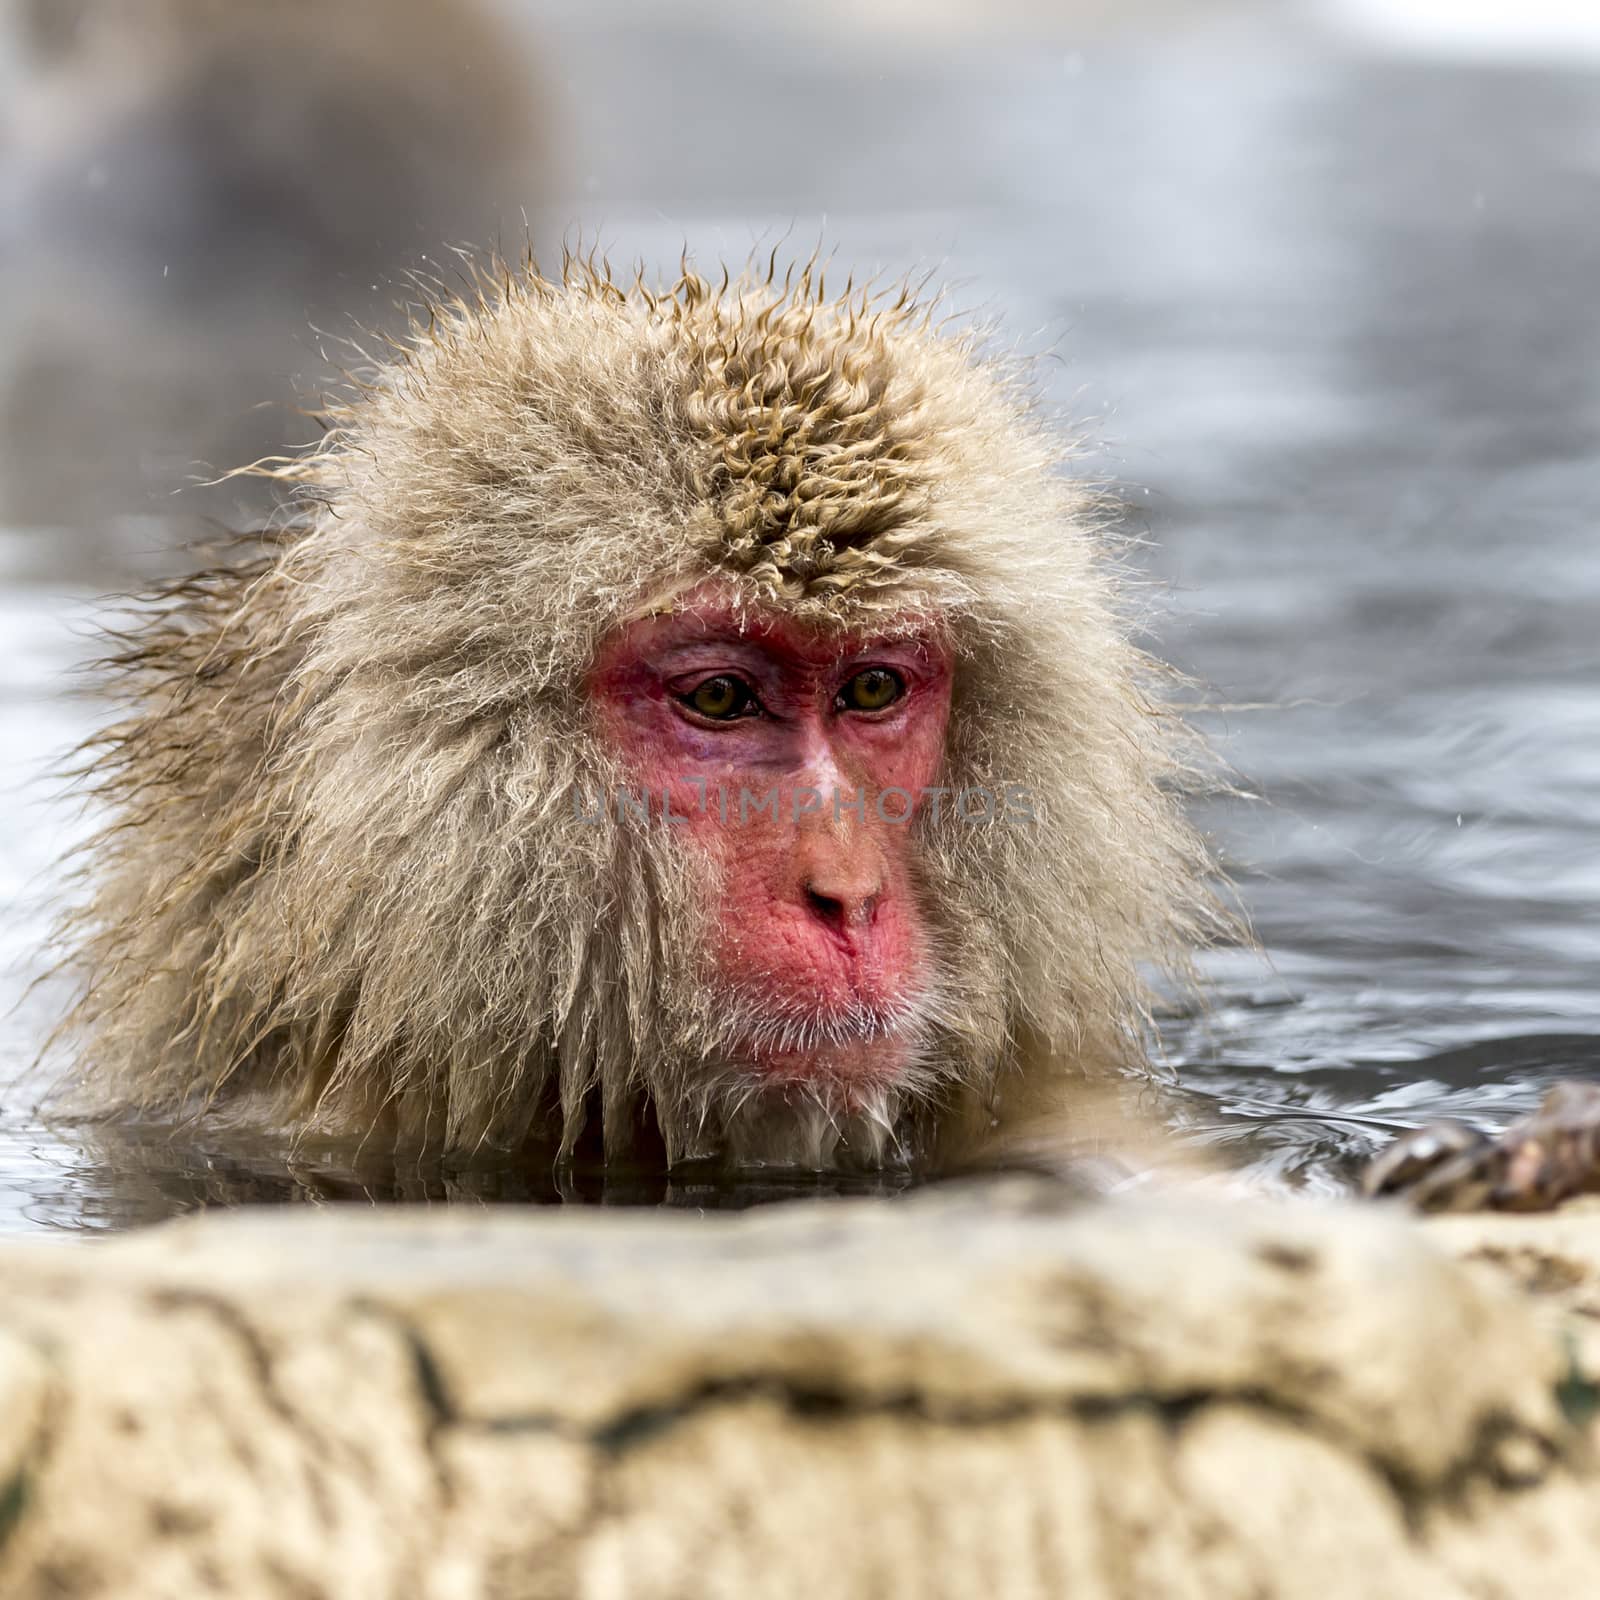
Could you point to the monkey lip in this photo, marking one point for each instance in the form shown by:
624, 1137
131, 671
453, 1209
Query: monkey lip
860, 1043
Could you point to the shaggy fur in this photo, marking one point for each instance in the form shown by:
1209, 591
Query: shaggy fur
346, 887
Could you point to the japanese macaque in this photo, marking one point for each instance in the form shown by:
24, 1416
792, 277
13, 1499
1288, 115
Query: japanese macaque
198, 195
698, 722
270, 137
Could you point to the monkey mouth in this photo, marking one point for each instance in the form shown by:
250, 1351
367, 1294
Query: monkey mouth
861, 1042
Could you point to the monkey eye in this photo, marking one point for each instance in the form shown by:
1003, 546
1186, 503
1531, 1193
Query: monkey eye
871, 690
722, 699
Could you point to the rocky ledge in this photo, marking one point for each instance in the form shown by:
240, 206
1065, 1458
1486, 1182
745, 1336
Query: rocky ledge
970, 1393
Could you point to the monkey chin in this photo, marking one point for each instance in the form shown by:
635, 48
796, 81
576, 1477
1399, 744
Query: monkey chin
847, 1072
822, 1089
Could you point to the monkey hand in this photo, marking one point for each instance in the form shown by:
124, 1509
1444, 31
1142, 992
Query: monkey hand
1539, 1161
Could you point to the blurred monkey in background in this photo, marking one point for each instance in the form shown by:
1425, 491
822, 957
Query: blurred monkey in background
229, 136
189, 184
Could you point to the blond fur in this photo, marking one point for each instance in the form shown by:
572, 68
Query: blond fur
345, 888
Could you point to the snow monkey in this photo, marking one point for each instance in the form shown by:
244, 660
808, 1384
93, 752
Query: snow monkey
189, 188
210, 138
701, 720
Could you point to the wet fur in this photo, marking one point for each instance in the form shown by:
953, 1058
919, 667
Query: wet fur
346, 888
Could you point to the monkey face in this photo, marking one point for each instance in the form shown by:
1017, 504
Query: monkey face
796, 758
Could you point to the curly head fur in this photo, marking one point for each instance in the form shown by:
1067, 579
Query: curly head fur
345, 886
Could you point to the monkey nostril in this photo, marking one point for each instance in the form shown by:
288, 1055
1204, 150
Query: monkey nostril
826, 907
841, 909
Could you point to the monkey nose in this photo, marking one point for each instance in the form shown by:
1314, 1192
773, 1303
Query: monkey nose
843, 899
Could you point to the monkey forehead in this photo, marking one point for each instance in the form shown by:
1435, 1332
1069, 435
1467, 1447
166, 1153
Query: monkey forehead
716, 613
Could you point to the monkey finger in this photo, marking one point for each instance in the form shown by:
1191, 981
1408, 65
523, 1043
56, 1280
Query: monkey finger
1444, 1166
1553, 1154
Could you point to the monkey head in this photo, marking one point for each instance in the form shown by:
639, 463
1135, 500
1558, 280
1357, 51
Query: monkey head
707, 711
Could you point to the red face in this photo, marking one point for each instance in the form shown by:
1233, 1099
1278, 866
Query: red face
798, 758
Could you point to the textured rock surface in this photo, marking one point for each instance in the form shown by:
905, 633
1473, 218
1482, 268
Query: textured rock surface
954, 1395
